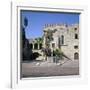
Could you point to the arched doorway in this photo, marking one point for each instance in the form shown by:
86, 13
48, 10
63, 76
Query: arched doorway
40, 46
76, 56
35, 46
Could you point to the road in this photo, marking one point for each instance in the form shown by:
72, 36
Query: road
43, 69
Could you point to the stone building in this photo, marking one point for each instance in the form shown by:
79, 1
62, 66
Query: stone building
35, 45
65, 37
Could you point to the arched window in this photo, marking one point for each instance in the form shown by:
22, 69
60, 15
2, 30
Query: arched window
59, 42
76, 56
62, 39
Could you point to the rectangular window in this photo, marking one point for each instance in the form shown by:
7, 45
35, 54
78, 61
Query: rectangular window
76, 47
76, 36
62, 38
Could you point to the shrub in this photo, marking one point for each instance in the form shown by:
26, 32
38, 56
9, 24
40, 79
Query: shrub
58, 53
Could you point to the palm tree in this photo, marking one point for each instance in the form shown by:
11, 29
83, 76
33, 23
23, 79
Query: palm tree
39, 40
25, 22
26, 51
48, 38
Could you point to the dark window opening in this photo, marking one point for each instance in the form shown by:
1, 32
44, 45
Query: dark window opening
76, 56
76, 47
40, 46
75, 29
62, 39
59, 42
76, 36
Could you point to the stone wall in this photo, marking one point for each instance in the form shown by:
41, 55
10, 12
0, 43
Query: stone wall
71, 42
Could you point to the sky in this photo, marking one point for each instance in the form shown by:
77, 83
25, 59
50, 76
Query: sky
37, 20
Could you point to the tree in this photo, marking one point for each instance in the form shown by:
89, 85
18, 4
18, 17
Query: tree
58, 53
39, 40
26, 51
47, 52
48, 38
25, 22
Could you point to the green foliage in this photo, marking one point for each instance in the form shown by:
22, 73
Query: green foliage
58, 52
39, 40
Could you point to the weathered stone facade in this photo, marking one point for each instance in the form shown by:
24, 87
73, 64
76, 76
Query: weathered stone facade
66, 37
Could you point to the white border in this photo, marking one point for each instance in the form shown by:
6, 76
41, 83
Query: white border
15, 62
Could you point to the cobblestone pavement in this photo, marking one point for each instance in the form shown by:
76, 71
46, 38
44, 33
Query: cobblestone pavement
43, 69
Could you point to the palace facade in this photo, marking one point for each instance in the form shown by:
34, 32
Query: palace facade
65, 37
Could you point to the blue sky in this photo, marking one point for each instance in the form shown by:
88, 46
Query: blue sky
37, 20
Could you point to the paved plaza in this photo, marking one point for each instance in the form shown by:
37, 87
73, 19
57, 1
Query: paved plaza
45, 68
